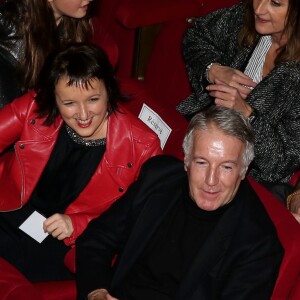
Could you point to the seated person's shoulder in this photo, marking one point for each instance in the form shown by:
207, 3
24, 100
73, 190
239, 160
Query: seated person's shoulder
228, 12
255, 214
22, 104
290, 70
163, 166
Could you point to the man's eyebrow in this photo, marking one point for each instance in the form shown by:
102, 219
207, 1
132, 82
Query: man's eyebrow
198, 157
235, 162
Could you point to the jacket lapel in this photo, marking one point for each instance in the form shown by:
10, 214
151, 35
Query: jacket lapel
242, 57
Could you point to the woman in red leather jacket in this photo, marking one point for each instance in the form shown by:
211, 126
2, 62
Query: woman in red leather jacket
76, 151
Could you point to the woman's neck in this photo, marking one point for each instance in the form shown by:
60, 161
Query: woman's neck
270, 59
57, 16
278, 40
58, 20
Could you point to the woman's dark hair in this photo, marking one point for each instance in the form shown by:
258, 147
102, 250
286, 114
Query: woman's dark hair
289, 52
41, 35
81, 63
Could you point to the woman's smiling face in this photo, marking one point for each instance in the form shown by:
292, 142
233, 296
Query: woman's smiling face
83, 108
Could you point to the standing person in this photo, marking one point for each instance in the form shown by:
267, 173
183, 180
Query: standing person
76, 152
247, 57
186, 231
29, 31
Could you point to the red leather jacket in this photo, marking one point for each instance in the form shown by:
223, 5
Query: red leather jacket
129, 144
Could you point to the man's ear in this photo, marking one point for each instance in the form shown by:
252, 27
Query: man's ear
185, 165
244, 173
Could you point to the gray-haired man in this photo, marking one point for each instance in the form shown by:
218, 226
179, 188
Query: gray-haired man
186, 231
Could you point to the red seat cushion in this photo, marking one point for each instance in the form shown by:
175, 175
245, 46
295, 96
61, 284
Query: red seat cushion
13, 285
56, 290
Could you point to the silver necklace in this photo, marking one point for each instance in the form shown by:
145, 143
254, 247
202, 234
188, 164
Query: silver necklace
81, 141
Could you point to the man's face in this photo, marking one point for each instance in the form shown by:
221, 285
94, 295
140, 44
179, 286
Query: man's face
215, 168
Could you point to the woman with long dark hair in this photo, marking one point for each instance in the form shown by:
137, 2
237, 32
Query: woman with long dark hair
29, 31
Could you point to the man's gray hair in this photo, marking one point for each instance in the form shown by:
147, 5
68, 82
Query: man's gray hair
230, 121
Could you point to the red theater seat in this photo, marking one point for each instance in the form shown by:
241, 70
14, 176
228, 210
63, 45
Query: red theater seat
287, 286
165, 81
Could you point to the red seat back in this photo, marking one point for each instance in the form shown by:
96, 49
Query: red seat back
288, 229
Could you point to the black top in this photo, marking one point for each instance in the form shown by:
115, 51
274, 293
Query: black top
170, 252
68, 171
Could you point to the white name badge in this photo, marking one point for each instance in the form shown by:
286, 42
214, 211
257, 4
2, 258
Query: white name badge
33, 226
156, 123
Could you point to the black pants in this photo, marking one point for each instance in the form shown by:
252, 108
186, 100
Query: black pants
37, 261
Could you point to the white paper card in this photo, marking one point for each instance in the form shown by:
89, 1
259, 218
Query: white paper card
156, 123
33, 226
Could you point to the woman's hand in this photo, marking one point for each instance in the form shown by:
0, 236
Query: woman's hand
59, 226
228, 96
232, 77
100, 294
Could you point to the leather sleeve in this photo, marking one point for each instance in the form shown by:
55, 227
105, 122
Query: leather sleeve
13, 117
